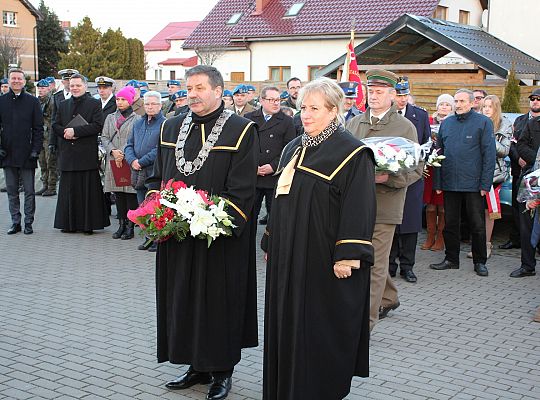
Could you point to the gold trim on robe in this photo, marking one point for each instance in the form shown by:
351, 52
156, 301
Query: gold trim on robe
353, 241
320, 174
238, 210
237, 146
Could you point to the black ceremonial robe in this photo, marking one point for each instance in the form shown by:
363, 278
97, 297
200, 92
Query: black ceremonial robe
206, 297
316, 326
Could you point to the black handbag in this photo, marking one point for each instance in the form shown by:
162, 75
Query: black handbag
138, 178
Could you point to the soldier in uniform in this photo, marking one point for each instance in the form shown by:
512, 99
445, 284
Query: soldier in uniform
47, 158
251, 96
173, 86
406, 234
4, 86
228, 98
138, 102
180, 103
240, 100
105, 87
206, 296
350, 89
52, 84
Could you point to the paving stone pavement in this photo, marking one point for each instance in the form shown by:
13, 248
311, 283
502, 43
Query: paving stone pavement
77, 321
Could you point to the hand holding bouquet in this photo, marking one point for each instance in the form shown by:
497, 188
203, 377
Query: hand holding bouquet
178, 211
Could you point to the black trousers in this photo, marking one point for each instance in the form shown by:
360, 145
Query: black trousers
477, 225
262, 193
404, 250
13, 176
514, 235
124, 203
528, 259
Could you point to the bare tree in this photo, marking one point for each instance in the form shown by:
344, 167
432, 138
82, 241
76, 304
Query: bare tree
10, 46
209, 55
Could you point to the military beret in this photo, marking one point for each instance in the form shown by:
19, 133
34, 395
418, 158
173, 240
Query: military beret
43, 83
381, 77
143, 91
350, 89
251, 88
51, 79
3, 81
240, 89
136, 84
179, 95
143, 84
104, 81
402, 87
284, 95
67, 73
227, 92
174, 82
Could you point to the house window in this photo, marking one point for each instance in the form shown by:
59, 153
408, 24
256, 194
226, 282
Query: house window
464, 17
279, 73
234, 19
9, 18
312, 71
157, 74
172, 75
237, 77
294, 10
441, 13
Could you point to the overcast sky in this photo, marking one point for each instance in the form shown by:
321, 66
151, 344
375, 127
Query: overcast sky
136, 18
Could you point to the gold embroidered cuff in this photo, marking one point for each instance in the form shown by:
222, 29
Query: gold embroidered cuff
238, 210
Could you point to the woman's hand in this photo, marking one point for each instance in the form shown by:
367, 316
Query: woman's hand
342, 270
118, 155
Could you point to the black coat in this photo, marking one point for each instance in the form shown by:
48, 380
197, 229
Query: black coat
529, 141
412, 211
110, 107
80, 154
519, 126
274, 135
21, 126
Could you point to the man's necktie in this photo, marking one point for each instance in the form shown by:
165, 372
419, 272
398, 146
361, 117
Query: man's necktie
267, 117
400, 112
374, 120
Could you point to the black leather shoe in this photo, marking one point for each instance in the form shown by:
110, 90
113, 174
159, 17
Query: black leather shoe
219, 389
392, 273
146, 245
49, 192
189, 379
28, 229
14, 229
153, 247
521, 272
409, 276
384, 310
509, 245
264, 220
444, 265
480, 269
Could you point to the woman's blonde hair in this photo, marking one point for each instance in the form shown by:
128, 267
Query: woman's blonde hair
496, 118
330, 90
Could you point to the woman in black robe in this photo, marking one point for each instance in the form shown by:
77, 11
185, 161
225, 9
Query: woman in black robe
318, 244
81, 202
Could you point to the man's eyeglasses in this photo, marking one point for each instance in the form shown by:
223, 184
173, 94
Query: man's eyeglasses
534, 98
479, 97
274, 101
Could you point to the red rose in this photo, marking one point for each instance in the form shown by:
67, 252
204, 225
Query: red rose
178, 185
204, 196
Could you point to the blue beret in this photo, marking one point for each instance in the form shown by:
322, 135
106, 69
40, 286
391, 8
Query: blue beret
402, 87
242, 89
143, 91
50, 79
284, 95
3, 81
143, 84
133, 83
43, 83
251, 87
227, 92
174, 82
179, 95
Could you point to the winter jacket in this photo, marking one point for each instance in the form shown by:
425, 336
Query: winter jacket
503, 138
143, 140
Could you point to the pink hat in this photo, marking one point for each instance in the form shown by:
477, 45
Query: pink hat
127, 93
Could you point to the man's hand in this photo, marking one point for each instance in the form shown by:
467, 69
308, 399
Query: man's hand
342, 271
522, 162
69, 134
381, 178
265, 169
483, 193
438, 191
136, 166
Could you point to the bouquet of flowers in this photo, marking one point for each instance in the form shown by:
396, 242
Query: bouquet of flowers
396, 155
434, 160
529, 188
178, 211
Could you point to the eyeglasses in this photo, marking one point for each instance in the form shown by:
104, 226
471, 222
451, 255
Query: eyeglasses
274, 101
479, 97
534, 98
152, 104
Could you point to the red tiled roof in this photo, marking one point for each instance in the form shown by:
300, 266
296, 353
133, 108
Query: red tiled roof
186, 62
173, 31
316, 17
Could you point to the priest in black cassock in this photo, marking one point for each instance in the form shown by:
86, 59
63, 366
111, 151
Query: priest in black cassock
319, 251
81, 203
206, 296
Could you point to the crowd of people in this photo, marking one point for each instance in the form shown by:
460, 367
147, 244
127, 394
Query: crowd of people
337, 232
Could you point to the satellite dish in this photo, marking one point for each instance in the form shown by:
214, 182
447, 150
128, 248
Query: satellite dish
485, 19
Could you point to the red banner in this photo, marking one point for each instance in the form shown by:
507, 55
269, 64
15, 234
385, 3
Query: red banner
354, 76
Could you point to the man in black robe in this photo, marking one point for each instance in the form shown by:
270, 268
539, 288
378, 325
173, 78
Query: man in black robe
206, 296
77, 123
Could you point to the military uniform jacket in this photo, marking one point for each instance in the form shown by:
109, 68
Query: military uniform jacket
47, 108
274, 135
110, 106
247, 109
80, 154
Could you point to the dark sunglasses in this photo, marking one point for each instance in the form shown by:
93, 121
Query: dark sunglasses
534, 98
479, 97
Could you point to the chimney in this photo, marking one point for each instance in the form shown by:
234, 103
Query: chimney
259, 6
